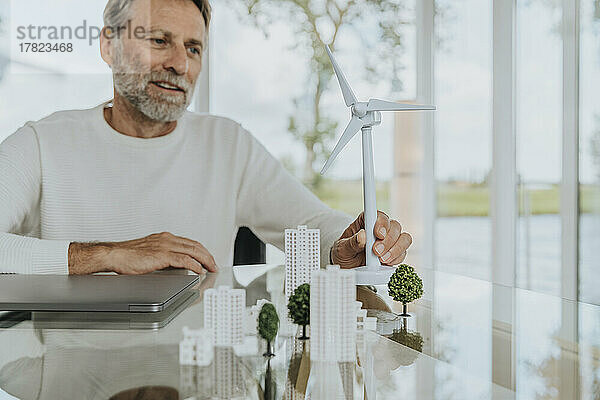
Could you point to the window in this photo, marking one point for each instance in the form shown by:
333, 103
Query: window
539, 135
463, 136
33, 86
261, 81
589, 152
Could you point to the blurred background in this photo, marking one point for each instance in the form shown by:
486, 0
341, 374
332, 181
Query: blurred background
502, 183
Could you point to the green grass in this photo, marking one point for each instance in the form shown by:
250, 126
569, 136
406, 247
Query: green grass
347, 195
589, 200
456, 199
461, 200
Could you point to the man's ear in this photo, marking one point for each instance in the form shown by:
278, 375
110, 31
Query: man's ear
107, 45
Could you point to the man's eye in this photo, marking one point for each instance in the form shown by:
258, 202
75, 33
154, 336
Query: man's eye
159, 41
194, 50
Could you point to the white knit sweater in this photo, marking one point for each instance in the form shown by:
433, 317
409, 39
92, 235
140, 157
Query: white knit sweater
71, 177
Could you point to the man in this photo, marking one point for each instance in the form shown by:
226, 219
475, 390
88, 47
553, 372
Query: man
87, 191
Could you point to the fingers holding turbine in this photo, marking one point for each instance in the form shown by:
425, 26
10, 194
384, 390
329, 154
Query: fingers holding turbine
392, 250
349, 251
390, 246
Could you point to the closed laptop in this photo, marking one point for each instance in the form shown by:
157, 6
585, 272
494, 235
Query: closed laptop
116, 293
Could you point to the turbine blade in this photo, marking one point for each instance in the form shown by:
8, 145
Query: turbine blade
349, 97
382, 105
353, 127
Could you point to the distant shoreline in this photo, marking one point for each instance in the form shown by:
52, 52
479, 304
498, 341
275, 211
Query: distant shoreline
460, 199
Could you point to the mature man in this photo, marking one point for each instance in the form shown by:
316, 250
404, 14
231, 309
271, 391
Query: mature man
87, 191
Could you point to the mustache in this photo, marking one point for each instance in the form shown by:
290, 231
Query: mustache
168, 77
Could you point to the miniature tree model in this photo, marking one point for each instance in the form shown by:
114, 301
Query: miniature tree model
405, 286
268, 325
299, 307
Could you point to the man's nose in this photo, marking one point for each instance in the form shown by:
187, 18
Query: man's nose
177, 61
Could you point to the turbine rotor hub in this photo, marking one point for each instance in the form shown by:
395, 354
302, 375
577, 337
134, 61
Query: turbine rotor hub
360, 109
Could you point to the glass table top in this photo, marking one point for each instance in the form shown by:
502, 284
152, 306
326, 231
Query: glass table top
476, 340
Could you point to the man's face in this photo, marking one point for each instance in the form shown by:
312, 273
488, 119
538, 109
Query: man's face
156, 68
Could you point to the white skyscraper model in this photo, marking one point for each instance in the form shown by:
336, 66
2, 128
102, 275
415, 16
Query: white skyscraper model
366, 115
333, 315
224, 315
302, 256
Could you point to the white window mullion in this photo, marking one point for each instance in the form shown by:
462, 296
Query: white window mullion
569, 198
425, 95
569, 190
503, 191
503, 199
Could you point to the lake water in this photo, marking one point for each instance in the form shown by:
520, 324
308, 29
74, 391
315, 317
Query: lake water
463, 245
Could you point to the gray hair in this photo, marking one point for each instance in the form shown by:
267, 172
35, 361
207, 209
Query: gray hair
117, 12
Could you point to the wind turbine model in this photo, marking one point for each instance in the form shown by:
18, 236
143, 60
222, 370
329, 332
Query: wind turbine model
365, 115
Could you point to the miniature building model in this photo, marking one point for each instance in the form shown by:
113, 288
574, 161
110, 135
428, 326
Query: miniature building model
362, 321
333, 317
302, 256
221, 379
228, 381
224, 315
187, 381
187, 351
196, 347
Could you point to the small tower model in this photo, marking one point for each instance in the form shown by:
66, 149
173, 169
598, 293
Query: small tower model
302, 256
333, 315
224, 314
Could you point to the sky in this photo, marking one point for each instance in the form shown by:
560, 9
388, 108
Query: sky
254, 79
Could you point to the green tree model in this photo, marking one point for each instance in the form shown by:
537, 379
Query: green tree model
405, 286
318, 22
299, 307
268, 325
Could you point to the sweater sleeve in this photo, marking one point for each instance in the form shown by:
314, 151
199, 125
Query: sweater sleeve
270, 200
20, 194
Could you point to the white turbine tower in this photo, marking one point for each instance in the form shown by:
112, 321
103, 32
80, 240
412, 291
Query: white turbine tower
365, 115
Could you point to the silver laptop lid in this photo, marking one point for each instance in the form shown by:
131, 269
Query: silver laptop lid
140, 293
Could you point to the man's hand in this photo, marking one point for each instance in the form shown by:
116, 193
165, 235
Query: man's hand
390, 243
140, 256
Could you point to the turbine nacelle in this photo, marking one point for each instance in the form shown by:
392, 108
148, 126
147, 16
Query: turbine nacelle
371, 118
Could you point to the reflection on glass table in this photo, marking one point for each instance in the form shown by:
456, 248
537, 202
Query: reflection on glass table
477, 341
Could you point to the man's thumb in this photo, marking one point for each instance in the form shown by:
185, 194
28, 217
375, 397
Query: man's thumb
358, 241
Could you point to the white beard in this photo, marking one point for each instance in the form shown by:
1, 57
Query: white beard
134, 86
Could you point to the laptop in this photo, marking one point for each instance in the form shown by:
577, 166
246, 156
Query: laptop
91, 293
113, 320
